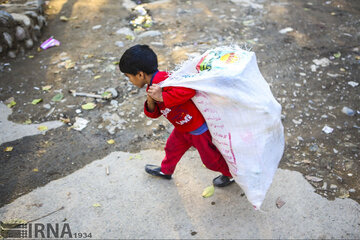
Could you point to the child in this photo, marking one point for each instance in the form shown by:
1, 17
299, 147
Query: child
139, 63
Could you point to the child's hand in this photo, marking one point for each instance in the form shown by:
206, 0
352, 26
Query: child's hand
155, 91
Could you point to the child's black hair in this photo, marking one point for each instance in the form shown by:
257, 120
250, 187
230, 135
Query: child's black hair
138, 58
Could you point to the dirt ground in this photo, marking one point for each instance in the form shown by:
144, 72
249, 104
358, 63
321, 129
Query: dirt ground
312, 94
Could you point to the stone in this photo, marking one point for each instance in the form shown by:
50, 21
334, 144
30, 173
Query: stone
41, 21
8, 39
125, 31
29, 43
37, 30
128, 4
31, 14
22, 19
20, 33
12, 54
119, 44
1, 49
149, 34
6, 20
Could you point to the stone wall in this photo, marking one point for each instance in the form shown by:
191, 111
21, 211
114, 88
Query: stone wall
21, 24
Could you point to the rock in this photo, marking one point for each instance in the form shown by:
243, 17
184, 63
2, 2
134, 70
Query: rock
8, 39
313, 148
114, 103
31, 14
348, 111
6, 20
324, 62
352, 190
110, 68
119, 44
12, 54
22, 19
20, 33
41, 21
113, 92
1, 49
78, 111
37, 30
87, 66
125, 31
29, 43
333, 186
149, 34
128, 4
313, 178
47, 106
279, 202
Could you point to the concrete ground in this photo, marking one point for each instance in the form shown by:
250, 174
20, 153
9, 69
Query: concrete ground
128, 203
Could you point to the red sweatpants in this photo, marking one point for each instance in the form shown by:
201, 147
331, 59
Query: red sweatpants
178, 143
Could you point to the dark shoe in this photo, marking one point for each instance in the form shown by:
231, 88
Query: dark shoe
156, 171
222, 181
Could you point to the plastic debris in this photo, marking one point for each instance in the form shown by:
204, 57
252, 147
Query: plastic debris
326, 129
8, 149
348, 111
286, 30
80, 123
51, 42
96, 27
353, 84
324, 62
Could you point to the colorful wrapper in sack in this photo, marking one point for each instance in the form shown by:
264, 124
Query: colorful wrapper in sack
51, 42
243, 117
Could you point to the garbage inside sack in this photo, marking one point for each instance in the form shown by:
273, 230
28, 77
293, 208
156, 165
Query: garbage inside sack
243, 116
51, 42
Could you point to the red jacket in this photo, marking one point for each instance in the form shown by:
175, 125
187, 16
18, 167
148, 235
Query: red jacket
177, 107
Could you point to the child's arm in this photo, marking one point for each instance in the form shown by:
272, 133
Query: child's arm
171, 96
151, 109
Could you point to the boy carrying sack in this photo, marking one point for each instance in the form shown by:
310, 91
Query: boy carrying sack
139, 63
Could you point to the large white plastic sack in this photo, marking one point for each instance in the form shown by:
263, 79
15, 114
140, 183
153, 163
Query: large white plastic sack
243, 117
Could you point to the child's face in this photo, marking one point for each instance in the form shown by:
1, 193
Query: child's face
138, 79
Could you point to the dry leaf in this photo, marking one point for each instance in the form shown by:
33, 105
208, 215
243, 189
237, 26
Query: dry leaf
8, 149
111, 141
96, 205
64, 18
88, 106
11, 103
46, 88
31, 56
35, 170
69, 64
28, 121
36, 101
208, 191
42, 128
58, 97
97, 77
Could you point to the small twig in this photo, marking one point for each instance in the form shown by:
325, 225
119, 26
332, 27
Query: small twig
33, 220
